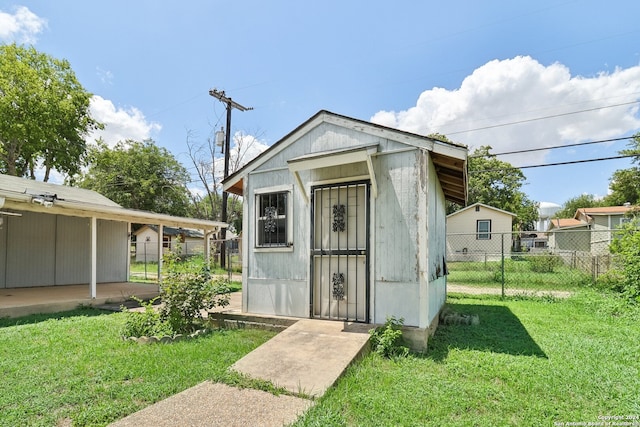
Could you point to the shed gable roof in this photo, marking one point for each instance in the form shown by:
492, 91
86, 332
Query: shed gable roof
449, 159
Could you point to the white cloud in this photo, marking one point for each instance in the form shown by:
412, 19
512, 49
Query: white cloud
22, 26
523, 90
120, 124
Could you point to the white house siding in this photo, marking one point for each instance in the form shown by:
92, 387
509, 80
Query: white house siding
463, 244
147, 250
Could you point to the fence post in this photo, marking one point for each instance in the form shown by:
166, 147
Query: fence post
502, 264
228, 253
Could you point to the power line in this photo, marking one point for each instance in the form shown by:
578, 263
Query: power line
530, 150
544, 117
554, 164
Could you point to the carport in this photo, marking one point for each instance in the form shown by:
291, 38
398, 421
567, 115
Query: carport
54, 235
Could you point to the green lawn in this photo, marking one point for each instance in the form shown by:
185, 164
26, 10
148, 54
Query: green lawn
518, 274
74, 368
530, 362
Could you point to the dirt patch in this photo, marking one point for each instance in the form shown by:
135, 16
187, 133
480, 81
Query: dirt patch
473, 290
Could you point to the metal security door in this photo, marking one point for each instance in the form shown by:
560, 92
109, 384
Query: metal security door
339, 251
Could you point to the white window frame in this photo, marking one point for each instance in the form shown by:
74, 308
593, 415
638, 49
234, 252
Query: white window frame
483, 235
285, 247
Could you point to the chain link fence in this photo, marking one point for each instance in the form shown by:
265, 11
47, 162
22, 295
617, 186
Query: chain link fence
512, 263
144, 256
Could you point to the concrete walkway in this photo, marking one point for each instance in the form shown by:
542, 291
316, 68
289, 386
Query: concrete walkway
15, 302
307, 358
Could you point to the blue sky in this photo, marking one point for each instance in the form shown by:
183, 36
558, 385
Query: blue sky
450, 67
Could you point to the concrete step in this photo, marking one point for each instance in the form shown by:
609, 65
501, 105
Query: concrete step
308, 357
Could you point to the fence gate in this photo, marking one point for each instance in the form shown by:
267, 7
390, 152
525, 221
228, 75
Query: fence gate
340, 251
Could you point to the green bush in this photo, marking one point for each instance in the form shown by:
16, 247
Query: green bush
544, 263
626, 246
188, 289
387, 340
144, 323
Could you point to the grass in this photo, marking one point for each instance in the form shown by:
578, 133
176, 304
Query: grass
518, 275
74, 368
530, 362
148, 273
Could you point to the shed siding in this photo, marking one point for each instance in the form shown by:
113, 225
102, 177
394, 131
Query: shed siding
73, 250
278, 282
112, 251
397, 266
32, 240
395, 221
407, 234
437, 236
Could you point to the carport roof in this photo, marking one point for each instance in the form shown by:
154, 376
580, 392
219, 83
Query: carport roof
20, 194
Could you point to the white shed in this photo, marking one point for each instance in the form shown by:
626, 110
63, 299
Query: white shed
345, 220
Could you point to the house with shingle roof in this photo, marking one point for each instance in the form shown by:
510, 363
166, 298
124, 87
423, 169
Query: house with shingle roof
590, 229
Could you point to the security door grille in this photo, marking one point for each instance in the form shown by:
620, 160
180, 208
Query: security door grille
339, 251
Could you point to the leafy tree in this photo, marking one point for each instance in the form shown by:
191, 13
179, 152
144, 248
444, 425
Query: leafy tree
627, 247
210, 171
45, 114
625, 183
570, 207
138, 175
498, 184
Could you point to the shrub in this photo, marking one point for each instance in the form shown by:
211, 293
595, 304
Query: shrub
544, 263
144, 323
387, 340
626, 246
188, 288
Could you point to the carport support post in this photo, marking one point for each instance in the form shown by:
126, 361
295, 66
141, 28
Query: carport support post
160, 254
94, 257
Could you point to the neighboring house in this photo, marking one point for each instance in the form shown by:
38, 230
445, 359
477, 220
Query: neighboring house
345, 220
146, 242
191, 241
477, 232
54, 235
589, 230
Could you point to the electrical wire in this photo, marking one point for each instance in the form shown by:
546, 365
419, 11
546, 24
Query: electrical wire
545, 117
554, 164
530, 150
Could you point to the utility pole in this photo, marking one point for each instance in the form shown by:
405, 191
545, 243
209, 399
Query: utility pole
230, 104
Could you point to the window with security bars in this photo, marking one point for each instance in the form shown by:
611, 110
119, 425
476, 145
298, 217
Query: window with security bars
271, 216
483, 229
